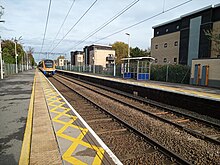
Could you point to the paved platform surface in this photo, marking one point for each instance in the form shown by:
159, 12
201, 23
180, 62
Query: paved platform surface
195, 91
15, 93
60, 135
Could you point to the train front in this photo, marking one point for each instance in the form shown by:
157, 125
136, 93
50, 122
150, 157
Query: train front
49, 68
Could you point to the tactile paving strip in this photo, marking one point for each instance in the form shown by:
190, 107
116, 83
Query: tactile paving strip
44, 149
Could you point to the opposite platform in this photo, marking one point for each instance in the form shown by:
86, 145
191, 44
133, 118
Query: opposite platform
184, 89
60, 135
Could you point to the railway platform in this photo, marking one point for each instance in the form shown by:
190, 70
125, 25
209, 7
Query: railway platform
56, 134
15, 93
191, 90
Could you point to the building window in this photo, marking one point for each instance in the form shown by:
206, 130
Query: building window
165, 45
156, 46
177, 27
167, 30
165, 60
176, 43
158, 32
175, 60
155, 60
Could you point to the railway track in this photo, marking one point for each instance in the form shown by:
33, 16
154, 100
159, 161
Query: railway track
136, 123
124, 140
195, 126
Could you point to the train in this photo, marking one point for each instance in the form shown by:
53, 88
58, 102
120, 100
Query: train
47, 67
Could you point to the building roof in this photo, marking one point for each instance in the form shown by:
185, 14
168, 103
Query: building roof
167, 22
188, 14
197, 11
101, 45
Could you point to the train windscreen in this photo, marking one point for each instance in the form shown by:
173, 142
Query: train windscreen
48, 63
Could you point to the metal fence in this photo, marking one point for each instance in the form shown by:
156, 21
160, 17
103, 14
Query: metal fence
165, 73
10, 69
94, 69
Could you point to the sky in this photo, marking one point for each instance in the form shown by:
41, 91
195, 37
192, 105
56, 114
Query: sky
27, 18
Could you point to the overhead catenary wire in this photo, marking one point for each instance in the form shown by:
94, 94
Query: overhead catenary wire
149, 18
107, 22
74, 25
45, 30
71, 6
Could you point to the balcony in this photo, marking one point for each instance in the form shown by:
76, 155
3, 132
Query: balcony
110, 59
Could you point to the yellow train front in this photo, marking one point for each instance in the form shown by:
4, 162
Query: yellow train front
47, 67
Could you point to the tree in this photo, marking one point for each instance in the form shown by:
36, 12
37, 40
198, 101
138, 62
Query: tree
137, 52
214, 36
8, 52
30, 55
121, 51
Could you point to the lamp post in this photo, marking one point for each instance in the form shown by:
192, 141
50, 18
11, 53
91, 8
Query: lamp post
167, 72
128, 50
27, 60
1, 58
114, 69
1, 65
16, 55
128, 43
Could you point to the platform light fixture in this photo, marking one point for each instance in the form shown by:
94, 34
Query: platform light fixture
128, 43
128, 50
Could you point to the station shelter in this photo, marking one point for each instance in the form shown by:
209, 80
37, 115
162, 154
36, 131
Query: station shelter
137, 67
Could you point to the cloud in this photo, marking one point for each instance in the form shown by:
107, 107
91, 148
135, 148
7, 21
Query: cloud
27, 18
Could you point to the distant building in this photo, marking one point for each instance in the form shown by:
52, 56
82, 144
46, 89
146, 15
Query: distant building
77, 58
183, 39
60, 61
98, 55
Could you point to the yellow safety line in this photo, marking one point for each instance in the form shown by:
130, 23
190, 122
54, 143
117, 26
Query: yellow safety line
67, 155
186, 91
26, 145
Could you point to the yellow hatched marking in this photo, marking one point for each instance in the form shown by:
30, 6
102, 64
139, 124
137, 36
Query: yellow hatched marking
53, 98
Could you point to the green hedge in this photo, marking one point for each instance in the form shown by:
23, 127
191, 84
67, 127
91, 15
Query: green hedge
176, 73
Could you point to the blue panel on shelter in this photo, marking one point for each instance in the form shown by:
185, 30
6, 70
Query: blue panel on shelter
147, 76
143, 76
127, 75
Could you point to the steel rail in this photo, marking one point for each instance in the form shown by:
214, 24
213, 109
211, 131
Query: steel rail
150, 102
188, 130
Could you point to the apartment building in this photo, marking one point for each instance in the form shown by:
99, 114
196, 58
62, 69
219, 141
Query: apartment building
77, 58
98, 55
60, 61
183, 39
